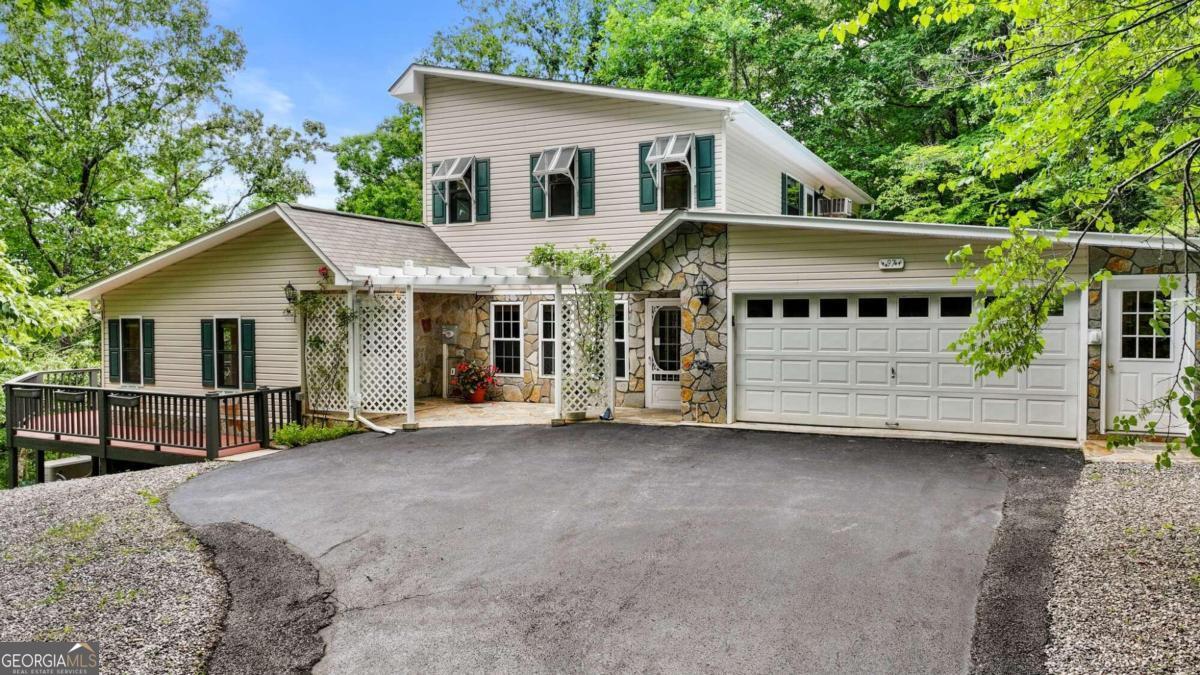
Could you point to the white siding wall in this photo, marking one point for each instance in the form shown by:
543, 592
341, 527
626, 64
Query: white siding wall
767, 258
754, 175
243, 277
506, 124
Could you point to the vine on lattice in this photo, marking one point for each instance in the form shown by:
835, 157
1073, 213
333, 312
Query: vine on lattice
326, 340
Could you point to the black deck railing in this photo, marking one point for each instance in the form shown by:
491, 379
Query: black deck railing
68, 410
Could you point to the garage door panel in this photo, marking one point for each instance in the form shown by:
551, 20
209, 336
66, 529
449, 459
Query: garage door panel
914, 340
833, 372
792, 371
833, 340
795, 339
759, 339
899, 372
872, 340
871, 373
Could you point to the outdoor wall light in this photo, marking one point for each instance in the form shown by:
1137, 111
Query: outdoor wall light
291, 293
704, 290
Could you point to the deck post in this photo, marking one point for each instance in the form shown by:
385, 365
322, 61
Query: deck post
212, 425
10, 436
40, 457
103, 430
297, 407
260, 417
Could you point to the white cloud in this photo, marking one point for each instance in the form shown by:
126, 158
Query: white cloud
252, 89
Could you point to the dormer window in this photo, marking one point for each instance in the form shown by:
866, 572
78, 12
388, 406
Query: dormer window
672, 169
461, 189
557, 175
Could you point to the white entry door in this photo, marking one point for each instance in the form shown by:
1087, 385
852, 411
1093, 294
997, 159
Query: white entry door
884, 359
1141, 365
663, 353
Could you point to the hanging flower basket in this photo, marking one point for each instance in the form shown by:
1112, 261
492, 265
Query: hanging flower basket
473, 379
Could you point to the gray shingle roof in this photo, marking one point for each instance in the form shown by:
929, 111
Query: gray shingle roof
349, 240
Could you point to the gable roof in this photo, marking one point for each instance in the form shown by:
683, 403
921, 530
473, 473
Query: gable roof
941, 230
410, 87
343, 241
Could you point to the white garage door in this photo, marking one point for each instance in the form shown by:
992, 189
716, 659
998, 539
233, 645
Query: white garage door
882, 360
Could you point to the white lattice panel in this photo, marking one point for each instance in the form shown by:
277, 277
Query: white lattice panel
584, 361
325, 362
385, 323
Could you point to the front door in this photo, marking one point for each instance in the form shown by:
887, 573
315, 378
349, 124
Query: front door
1141, 365
663, 354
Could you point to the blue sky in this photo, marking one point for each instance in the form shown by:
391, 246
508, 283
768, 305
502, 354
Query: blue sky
328, 61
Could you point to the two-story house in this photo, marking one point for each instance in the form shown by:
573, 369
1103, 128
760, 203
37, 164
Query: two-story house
749, 288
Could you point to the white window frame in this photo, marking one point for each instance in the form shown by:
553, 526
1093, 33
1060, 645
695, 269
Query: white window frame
542, 340
441, 186
625, 305
237, 319
655, 165
121, 348
520, 339
803, 190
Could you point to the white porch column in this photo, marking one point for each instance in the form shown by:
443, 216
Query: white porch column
353, 360
558, 363
610, 356
410, 373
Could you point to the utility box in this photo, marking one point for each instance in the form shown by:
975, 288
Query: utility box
449, 333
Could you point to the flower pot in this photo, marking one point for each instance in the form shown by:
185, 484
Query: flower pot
477, 395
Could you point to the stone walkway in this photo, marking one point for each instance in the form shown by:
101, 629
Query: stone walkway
1143, 453
437, 412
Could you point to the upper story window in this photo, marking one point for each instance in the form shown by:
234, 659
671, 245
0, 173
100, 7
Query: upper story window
677, 172
562, 182
791, 196
461, 190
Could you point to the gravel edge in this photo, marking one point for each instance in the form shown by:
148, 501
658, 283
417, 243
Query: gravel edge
278, 602
1012, 623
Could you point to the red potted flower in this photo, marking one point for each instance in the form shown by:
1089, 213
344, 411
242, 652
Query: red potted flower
473, 379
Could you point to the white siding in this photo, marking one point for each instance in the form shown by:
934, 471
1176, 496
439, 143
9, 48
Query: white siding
767, 258
243, 277
754, 172
506, 124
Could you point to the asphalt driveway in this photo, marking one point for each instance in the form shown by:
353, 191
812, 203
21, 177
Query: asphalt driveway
613, 547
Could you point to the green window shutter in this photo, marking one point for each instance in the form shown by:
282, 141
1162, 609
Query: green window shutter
537, 197
114, 350
647, 191
439, 204
148, 351
706, 171
483, 189
783, 189
249, 359
587, 182
208, 358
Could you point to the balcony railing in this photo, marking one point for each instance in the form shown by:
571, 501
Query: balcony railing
68, 410
835, 208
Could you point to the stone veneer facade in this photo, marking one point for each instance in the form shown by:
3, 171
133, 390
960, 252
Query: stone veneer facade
671, 268
1119, 261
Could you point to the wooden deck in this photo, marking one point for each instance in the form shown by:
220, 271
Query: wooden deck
66, 411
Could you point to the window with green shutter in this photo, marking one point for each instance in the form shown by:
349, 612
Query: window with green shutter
439, 202
706, 171
208, 358
537, 196
587, 182
483, 190
249, 356
147, 351
791, 194
647, 190
114, 350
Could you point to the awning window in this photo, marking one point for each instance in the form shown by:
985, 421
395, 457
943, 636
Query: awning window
453, 169
668, 149
555, 162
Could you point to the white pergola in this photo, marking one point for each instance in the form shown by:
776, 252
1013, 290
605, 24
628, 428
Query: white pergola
381, 348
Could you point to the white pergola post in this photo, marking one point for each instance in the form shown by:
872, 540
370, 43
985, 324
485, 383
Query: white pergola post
410, 373
558, 362
353, 360
610, 357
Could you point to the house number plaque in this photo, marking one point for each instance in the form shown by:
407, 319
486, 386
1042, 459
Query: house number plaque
891, 264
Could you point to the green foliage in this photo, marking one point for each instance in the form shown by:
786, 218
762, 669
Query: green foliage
26, 318
294, 435
592, 304
379, 173
116, 131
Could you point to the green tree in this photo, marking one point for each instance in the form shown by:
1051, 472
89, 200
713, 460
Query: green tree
115, 130
379, 173
1096, 116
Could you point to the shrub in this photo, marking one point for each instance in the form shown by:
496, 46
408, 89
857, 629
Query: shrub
294, 435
